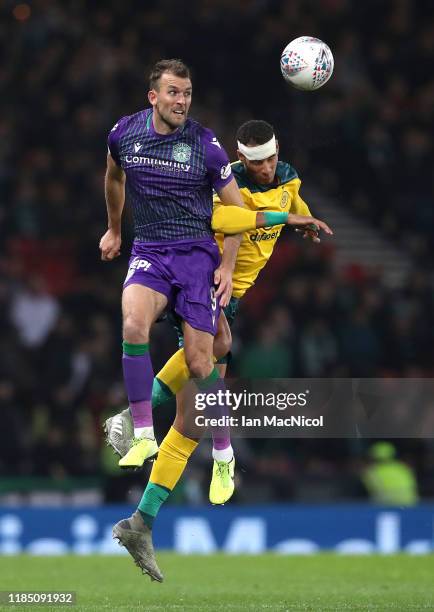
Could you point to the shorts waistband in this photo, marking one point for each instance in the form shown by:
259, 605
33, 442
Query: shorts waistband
174, 243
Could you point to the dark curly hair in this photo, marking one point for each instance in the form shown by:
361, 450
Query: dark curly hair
255, 132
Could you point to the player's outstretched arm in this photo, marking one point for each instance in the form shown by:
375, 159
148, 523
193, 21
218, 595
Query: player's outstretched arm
110, 242
234, 220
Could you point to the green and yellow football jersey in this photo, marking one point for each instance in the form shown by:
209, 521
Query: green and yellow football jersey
257, 245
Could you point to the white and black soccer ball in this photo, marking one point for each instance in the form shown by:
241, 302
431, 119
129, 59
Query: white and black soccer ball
307, 63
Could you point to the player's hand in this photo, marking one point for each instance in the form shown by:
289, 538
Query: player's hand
309, 226
223, 281
311, 233
110, 245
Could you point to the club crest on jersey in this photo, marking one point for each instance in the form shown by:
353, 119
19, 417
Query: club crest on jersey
181, 152
284, 200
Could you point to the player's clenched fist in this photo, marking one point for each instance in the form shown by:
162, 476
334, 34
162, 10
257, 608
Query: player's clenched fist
110, 245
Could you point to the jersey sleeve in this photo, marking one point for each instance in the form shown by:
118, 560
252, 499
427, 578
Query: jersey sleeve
113, 139
299, 206
233, 219
217, 161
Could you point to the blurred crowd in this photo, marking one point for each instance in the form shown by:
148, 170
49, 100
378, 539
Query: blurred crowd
70, 70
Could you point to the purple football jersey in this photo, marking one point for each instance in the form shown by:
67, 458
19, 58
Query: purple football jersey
169, 178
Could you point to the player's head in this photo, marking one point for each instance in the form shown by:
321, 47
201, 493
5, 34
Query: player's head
170, 92
258, 149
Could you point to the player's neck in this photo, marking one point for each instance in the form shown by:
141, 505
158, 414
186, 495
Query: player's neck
162, 127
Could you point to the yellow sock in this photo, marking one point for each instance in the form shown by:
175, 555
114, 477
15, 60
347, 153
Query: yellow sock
233, 219
175, 451
174, 374
171, 378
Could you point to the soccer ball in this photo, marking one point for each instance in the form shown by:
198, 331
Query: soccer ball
306, 63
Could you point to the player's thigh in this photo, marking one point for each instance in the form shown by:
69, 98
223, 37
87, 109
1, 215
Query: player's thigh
184, 422
222, 340
198, 346
141, 306
223, 337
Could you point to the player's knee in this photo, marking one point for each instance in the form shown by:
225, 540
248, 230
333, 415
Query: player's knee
134, 330
200, 366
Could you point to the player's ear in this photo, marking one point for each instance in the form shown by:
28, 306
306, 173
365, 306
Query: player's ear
152, 97
277, 147
241, 157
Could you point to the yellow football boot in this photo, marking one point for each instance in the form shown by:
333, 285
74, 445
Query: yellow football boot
142, 449
222, 484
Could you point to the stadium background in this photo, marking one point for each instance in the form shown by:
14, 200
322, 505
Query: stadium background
361, 145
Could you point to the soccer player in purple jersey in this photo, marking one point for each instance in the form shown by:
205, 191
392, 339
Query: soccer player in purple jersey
167, 165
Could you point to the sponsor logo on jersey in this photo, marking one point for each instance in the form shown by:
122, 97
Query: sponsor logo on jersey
181, 152
225, 171
137, 147
284, 200
216, 143
259, 237
138, 160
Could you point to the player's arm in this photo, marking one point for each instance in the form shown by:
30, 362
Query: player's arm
223, 182
228, 194
230, 220
114, 184
233, 220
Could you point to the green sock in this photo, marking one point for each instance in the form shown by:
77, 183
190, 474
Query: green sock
153, 498
161, 393
134, 350
207, 382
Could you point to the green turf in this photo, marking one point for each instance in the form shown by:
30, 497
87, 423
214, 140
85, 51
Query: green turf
227, 583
